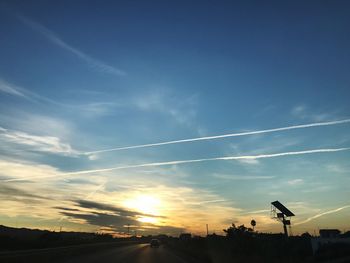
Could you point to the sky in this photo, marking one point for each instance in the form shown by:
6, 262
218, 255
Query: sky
165, 116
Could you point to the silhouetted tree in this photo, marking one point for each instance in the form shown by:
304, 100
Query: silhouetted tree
240, 231
306, 235
346, 234
241, 240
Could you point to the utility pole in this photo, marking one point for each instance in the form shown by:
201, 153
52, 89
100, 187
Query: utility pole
128, 229
284, 221
207, 230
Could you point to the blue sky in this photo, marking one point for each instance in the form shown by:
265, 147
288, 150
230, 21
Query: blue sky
80, 77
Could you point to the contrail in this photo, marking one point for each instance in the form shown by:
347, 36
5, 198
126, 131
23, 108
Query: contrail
210, 201
322, 214
211, 159
206, 202
55, 39
257, 212
317, 124
224, 158
98, 188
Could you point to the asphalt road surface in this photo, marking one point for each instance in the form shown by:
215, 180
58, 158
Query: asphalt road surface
140, 253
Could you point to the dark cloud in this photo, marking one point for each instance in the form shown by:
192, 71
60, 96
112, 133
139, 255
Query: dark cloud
107, 207
67, 209
16, 193
115, 218
103, 215
103, 219
118, 223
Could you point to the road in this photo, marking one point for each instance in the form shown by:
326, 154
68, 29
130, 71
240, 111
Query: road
139, 253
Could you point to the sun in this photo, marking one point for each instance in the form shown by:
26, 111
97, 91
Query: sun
145, 204
147, 219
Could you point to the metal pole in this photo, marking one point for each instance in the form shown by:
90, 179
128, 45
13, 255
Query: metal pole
284, 226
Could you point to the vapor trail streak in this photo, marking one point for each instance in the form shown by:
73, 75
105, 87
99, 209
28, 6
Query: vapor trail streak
224, 158
210, 159
55, 39
211, 201
317, 124
322, 214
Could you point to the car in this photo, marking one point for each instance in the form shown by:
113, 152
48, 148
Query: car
154, 243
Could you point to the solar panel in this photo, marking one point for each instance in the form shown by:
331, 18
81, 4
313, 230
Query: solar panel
282, 208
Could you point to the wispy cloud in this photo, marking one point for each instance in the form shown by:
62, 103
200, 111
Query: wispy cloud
23, 170
336, 168
322, 214
262, 211
11, 89
15, 90
295, 181
55, 39
303, 126
243, 177
250, 161
38, 124
207, 202
89, 110
298, 110
37, 143
165, 101
8, 192
304, 113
